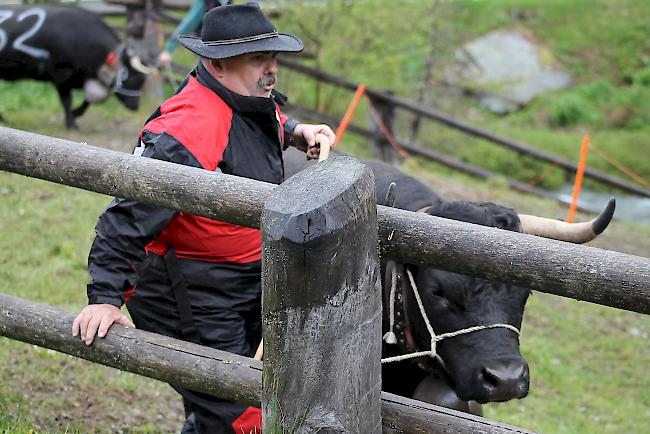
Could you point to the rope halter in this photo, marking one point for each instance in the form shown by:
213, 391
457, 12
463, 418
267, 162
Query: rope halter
390, 338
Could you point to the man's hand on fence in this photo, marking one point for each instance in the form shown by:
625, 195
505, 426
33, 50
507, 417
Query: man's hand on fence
304, 138
96, 319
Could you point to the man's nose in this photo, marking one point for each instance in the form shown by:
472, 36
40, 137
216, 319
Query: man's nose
272, 67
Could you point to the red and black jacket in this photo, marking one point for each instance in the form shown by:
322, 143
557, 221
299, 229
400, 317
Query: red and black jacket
204, 125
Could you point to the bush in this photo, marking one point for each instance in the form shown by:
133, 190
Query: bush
571, 109
642, 77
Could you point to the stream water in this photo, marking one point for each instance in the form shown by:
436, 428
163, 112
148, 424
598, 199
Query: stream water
629, 208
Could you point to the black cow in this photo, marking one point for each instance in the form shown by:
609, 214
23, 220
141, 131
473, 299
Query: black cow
482, 366
72, 48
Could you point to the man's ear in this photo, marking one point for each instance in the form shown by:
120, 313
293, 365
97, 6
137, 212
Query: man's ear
215, 67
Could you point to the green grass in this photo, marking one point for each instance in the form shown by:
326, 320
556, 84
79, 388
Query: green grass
46, 232
588, 363
602, 44
588, 369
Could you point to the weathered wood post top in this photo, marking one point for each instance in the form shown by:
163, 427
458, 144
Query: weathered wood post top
321, 302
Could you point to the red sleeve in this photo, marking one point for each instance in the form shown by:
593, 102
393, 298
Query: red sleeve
202, 128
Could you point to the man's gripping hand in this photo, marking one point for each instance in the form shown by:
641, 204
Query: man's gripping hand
96, 319
304, 138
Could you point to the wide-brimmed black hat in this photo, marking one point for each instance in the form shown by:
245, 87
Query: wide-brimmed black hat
238, 29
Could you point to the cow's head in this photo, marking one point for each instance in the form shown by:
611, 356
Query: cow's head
124, 73
130, 78
483, 365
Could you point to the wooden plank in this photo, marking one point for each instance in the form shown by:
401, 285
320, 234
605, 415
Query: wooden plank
175, 186
576, 271
195, 367
104, 9
215, 372
167, 4
321, 302
404, 415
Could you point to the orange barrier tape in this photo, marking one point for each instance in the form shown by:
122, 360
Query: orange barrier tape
621, 167
385, 131
577, 186
340, 131
542, 176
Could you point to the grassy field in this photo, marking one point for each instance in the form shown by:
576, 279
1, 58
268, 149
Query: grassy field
602, 44
589, 364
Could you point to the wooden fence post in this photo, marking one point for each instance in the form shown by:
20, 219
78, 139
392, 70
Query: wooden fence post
322, 302
145, 37
382, 149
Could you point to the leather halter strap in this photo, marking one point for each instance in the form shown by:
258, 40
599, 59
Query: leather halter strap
402, 328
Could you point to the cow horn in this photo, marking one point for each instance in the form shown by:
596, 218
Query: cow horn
136, 63
572, 232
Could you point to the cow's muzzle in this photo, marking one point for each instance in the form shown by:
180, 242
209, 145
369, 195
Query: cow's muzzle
498, 380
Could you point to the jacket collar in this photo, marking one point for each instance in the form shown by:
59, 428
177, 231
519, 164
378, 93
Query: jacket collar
239, 103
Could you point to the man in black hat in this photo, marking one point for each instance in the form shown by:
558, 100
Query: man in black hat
187, 276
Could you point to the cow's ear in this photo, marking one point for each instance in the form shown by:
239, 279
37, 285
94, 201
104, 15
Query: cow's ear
506, 219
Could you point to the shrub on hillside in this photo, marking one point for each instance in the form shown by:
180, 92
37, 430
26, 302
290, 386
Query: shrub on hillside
571, 109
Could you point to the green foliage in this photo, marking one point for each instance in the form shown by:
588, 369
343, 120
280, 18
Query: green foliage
569, 110
35, 2
385, 44
13, 418
586, 361
642, 77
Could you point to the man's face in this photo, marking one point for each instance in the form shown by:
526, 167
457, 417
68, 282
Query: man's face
250, 74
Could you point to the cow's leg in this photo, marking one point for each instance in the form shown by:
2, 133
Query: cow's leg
65, 94
81, 109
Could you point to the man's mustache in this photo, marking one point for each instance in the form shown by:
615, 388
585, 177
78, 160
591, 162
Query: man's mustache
267, 80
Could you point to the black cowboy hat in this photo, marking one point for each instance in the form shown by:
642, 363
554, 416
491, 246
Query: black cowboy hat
238, 29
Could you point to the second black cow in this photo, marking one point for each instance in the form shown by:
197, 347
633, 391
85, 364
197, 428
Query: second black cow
72, 48
479, 366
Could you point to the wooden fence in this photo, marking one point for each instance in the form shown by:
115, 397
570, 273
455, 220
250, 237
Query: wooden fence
207, 370
327, 211
576, 271
388, 103
392, 102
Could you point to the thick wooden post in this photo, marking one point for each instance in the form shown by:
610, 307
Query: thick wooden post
322, 302
145, 37
152, 42
385, 111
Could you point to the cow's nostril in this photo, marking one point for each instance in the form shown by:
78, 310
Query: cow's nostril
504, 380
490, 377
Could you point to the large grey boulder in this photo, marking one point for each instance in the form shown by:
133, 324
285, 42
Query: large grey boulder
506, 69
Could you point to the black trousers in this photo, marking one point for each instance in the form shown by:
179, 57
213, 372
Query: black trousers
225, 301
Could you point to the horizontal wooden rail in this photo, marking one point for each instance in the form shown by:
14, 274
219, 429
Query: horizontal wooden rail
437, 157
576, 271
167, 4
104, 9
204, 369
389, 98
